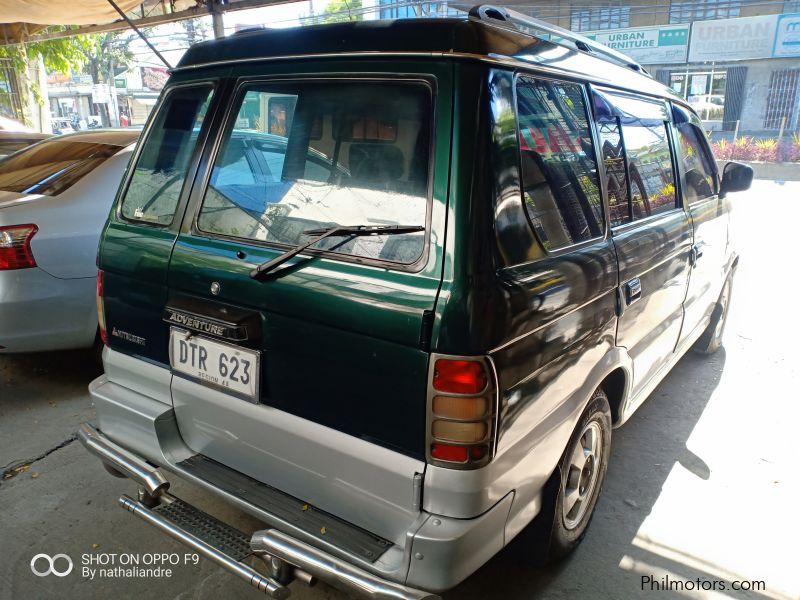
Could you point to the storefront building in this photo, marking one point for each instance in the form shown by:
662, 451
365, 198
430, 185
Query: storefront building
737, 63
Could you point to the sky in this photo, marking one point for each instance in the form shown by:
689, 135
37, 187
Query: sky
168, 38
282, 15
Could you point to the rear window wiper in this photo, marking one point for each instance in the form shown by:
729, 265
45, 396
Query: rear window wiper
337, 230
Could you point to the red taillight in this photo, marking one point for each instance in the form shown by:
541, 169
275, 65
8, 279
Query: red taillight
449, 453
459, 376
15, 247
462, 415
101, 312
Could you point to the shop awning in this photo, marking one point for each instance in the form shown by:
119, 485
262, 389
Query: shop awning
47, 12
21, 19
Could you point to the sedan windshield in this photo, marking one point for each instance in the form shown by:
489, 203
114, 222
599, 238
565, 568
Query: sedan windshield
51, 167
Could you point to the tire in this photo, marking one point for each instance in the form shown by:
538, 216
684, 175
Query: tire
583, 470
711, 339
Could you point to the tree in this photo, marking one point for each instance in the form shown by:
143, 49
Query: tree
339, 11
62, 55
97, 54
103, 53
196, 30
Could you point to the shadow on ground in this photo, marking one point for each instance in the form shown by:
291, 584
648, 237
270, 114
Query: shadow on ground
644, 451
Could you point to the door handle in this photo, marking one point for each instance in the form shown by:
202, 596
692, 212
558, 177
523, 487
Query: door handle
694, 254
633, 290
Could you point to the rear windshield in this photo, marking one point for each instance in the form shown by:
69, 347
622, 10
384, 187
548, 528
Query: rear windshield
52, 167
305, 155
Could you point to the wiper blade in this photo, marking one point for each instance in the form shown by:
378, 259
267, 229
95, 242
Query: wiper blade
337, 230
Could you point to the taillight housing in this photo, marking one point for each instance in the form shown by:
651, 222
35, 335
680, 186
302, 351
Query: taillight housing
101, 311
15, 247
462, 411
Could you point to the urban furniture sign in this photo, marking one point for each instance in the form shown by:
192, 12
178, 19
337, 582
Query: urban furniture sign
648, 45
787, 36
733, 39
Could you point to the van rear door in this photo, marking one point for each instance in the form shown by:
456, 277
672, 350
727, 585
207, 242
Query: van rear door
313, 378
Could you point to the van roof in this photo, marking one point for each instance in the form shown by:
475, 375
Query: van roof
456, 37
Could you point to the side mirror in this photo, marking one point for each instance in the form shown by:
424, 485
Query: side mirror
736, 177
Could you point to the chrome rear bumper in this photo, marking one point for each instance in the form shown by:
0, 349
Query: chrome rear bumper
295, 557
122, 460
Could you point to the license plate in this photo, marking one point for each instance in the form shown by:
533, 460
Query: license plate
231, 368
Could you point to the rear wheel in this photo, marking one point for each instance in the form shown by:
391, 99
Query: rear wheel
711, 339
583, 470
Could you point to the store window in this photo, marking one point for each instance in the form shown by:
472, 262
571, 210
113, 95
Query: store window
600, 17
782, 99
399, 9
704, 91
686, 11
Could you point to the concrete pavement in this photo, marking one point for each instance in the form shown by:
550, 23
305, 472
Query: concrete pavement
703, 481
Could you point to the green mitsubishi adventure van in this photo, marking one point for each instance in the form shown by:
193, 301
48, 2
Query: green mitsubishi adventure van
388, 287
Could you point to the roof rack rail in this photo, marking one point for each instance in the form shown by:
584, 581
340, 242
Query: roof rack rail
488, 12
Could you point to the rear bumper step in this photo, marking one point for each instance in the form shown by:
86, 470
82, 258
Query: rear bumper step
175, 529
228, 547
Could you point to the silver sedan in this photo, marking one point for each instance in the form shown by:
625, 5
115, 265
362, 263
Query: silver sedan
54, 199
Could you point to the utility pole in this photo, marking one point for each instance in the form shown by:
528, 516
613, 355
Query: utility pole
112, 95
216, 18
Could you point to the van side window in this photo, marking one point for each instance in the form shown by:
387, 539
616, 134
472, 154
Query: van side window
610, 138
650, 168
157, 180
306, 155
650, 175
559, 173
698, 172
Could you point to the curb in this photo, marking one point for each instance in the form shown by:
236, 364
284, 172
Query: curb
782, 171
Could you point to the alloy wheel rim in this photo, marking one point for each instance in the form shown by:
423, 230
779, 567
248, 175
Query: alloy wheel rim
582, 475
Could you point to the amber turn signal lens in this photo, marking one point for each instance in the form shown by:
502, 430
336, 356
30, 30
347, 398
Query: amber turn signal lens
455, 407
459, 432
459, 376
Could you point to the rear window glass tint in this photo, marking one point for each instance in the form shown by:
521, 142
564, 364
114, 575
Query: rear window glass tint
610, 136
158, 177
647, 156
650, 168
559, 173
52, 167
698, 173
307, 155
